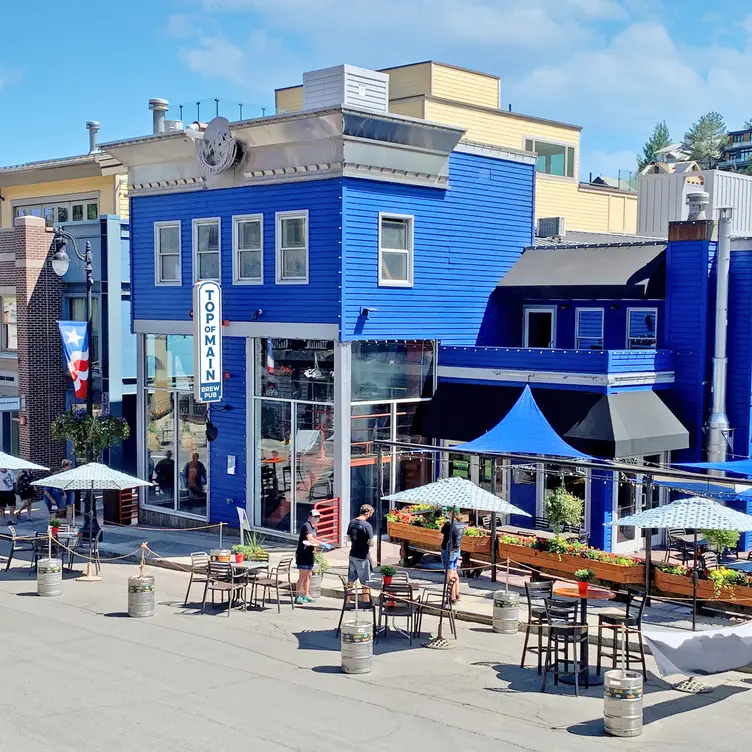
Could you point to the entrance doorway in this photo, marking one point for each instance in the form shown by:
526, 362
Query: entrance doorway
540, 327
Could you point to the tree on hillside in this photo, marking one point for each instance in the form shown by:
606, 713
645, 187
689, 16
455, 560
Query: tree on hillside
748, 124
659, 140
706, 138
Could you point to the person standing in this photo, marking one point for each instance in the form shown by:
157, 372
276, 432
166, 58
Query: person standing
360, 533
7, 493
64, 501
25, 492
164, 474
195, 476
452, 531
304, 559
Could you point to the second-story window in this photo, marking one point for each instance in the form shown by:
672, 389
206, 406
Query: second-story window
247, 249
8, 323
642, 325
206, 249
395, 250
292, 247
589, 333
552, 159
167, 253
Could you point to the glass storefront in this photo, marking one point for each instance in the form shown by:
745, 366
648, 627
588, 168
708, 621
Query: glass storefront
294, 387
392, 370
177, 451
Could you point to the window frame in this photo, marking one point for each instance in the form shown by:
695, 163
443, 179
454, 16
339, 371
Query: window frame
554, 142
409, 251
577, 337
526, 311
279, 251
236, 266
158, 282
195, 252
646, 309
4, 349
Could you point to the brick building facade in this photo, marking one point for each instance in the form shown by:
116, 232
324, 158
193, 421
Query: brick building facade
26, 275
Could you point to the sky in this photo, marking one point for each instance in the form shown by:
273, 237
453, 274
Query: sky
615, 67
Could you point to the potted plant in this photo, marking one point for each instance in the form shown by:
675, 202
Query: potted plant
238, 551
387, 572
584, 577
55, 526
563, 508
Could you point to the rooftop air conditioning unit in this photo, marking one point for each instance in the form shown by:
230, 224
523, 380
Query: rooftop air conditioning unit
346, 86
551, 227
173, 126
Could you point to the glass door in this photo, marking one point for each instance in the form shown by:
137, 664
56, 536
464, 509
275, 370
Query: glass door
540, 327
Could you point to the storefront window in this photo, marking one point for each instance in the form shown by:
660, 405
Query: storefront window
169, 361
392, 370
314, 454
193, 455
274, 464
411, 469
160, 448
369, 423
295, 369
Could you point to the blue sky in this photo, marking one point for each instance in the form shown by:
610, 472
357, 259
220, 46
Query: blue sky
613, 66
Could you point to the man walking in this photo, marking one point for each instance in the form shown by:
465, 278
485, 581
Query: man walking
7, 493
360, 533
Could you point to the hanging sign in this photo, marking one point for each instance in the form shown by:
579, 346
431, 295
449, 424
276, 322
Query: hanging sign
207, 341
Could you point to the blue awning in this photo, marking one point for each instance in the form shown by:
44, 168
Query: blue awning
739, 467
524, 430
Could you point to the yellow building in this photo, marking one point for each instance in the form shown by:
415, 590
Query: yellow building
456, 96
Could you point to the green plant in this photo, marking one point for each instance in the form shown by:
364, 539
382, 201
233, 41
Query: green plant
55, 522
518, 540
255, 544
84, 431
387, 570
320, 561
557, 545
721, 539
563, 508
475, 532
584, 575
673, 569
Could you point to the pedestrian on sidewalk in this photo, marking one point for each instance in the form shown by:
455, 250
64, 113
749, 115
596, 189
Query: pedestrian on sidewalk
452, 531
63, 501
7, 493
304, 560
25, 492
361, 536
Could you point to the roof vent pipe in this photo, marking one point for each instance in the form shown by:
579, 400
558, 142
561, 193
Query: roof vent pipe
93, 127
698, 203
718, 424
158, 108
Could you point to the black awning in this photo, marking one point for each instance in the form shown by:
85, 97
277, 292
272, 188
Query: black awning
636, 270
629, 424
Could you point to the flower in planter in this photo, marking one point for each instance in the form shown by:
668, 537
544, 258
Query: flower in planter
475, 532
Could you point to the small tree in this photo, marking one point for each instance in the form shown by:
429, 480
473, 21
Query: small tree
706, 138
563, 508
659, 140
721, 539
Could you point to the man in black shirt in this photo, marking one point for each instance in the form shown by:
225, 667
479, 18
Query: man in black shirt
452, 533
360, 533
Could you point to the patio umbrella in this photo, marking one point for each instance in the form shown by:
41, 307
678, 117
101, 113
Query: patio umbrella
9, 462
455, 493
90, 477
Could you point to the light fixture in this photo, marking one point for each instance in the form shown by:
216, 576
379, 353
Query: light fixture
60, 262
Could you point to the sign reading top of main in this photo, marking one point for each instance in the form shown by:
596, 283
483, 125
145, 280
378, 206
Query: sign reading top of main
207, 341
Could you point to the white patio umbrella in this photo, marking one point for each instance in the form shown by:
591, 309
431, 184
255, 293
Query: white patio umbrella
9, 462
456, 492
90, 477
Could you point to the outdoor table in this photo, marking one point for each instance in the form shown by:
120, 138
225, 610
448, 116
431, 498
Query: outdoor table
68, 539
594, 594
739, 566
247, 567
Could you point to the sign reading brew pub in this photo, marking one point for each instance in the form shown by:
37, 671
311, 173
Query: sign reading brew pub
207, 341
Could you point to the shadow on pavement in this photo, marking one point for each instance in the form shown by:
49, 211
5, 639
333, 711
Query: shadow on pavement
325, 640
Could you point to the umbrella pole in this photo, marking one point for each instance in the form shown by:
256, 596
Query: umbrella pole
694, 587
438, 642
90, 576
493, 522
379, 504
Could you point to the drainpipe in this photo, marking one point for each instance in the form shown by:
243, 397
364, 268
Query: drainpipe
718, 424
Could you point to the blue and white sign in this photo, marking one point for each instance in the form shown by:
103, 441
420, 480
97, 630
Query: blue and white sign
207, 341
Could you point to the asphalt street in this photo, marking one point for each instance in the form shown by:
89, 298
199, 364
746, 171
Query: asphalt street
78, 674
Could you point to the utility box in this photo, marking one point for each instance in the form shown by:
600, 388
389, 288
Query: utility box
346, 86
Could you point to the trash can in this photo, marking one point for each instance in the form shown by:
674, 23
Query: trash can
317, 578
49, 577
357, 647
506, 612
141, 596
622, 703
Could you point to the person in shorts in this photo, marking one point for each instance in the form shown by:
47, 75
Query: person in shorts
307, 542
360, 533
7, 493
452, 531
64, 501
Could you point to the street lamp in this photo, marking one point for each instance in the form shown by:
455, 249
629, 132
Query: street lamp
60, 265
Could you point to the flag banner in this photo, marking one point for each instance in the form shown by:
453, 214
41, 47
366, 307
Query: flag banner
76, 349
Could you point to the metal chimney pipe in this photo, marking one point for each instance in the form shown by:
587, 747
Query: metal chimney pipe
718, 424
93, 128
158, 108
698, 203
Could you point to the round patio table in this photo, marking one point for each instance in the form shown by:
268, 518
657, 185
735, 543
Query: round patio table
594, 594
739, 566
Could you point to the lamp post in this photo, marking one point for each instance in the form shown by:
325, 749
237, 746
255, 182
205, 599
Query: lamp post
60, 265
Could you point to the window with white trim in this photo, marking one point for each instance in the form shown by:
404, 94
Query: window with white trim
167, 266
292, 247
248, 249
395, 250
552, 159
589, 334
642, 326
8, 323
206, 249
54, 212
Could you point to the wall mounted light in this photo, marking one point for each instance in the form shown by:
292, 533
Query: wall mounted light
257, 314
365, 311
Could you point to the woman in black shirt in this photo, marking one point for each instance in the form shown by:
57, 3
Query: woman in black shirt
307, 541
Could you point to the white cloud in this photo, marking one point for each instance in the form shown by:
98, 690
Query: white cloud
216, 57
181, 25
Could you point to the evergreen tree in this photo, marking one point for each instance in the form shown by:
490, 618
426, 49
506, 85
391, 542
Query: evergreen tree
659, 140
706, 138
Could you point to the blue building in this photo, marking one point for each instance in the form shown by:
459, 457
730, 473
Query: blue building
349, 243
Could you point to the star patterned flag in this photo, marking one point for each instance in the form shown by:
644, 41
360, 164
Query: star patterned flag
76, 349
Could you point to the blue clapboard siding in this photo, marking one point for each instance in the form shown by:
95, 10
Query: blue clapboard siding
687, 322
740, 350
465, 240
231, 425
316, 302
601, 509
523, 495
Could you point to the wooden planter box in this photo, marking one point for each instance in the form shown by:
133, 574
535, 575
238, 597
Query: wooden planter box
677, 584
431, 539
567, 565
